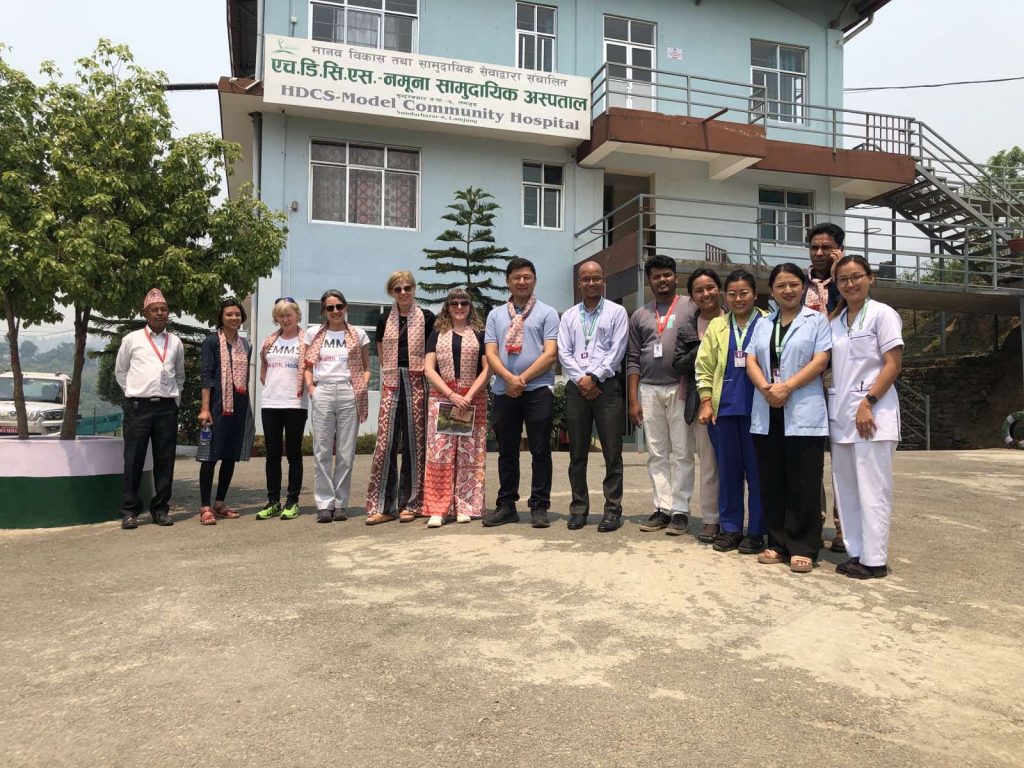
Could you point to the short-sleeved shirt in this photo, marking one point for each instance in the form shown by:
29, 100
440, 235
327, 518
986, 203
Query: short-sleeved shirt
856, 363
540, 325
282, 384
457, 349
333, 362
403, 337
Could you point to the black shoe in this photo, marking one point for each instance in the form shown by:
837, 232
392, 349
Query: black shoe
163, 519
339, 515
129, 523
708, 532
677, 524
323, 516
539, 518
751, 544
838, 545
844, 567
576, 521
611, 521
500, 516
727, 541
860, 571
656, 522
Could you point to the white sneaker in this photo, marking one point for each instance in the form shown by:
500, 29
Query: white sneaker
463, 518
435, 521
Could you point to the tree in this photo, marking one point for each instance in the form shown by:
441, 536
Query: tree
474, 255
25, 298
126, 206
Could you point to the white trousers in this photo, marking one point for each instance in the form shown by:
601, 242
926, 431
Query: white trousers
335, 426
862, 482
669, 447
708, 474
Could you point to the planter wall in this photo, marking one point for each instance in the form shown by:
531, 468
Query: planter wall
46, 483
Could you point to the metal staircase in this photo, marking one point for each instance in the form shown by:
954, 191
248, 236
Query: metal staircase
966, 211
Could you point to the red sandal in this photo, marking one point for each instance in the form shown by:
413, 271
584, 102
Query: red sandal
206, 516
224, 511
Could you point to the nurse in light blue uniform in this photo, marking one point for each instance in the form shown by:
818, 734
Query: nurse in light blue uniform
864, 417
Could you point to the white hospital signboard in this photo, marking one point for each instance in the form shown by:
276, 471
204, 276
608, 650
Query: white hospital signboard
310, 73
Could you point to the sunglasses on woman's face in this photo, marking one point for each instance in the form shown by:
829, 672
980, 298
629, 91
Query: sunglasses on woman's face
284, 298
403, 289
458, 303
334, 307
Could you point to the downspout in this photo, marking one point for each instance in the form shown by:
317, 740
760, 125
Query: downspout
257, 183
861, 28
259, 40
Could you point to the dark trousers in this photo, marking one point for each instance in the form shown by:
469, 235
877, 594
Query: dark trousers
607, 413
288, 423
146, 420
227, 471
791, 470
737, 460
532, 408
398, 484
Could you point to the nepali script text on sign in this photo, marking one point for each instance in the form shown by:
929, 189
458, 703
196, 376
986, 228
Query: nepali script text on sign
353, 79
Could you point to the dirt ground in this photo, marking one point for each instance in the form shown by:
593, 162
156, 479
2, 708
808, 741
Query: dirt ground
287, 643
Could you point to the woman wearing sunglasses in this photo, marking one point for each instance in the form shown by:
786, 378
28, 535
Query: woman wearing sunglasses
864, 417
455, 366
283, 406
402, 335
337, 371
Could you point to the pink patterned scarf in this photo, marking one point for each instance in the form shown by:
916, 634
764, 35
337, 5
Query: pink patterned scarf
234, 372
272, 339
415, 330
468, 358
355, 365
514, 336
817, 293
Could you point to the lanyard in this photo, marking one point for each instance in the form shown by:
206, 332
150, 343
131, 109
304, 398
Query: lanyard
658, 319
859, 320
738, 332
149, 338
588, 333
781, 344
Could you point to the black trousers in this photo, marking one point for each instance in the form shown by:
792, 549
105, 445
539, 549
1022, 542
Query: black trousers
607, 413
148, 420
790, 470
398, 485
288, 423
532, 408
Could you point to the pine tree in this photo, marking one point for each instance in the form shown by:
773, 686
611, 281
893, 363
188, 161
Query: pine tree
472, 253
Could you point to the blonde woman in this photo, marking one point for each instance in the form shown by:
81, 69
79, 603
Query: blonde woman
283, 406
402, 334
455, 366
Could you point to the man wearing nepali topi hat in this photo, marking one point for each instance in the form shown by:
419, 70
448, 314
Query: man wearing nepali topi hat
150, 369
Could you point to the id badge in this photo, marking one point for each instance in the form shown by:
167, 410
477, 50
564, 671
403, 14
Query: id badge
739, 360
584, 355
776, 376
657, 350
166, 380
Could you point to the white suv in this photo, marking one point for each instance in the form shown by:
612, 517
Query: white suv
45, 397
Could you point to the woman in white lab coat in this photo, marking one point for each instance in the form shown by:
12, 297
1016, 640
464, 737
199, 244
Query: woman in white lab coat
864, 417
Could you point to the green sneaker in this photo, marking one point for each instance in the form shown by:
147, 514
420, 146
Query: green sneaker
269, 511
290, 512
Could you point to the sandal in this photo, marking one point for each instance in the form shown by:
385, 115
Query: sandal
771, 557
801, 564
225, 512
406, 516
378, 517
206, 516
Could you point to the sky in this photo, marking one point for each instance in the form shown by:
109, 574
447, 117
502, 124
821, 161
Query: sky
911, 42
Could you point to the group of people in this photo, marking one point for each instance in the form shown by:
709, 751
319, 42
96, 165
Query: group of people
757, 395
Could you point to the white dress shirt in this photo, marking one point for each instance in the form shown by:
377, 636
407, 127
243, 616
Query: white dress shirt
139, 370
602, 356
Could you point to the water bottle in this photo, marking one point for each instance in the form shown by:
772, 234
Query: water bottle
205, 439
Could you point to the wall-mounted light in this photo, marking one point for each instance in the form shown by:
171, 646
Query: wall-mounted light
294, 207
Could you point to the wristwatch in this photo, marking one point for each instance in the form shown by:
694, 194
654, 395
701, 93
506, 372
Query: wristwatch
871, 398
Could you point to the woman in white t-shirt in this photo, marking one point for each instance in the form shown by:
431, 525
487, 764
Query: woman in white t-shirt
283, 406
337, 372
864, 417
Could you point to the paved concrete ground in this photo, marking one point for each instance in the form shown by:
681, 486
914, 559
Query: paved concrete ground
295, 644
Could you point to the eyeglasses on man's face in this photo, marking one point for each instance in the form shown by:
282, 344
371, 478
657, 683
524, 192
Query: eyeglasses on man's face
851, 279
591, 280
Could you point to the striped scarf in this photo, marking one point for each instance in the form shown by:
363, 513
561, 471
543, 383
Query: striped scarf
514, 335
355, 365
467, 361
415, 330
234, 372
271, 340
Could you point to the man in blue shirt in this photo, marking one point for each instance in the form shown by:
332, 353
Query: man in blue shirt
591, 344
521, 344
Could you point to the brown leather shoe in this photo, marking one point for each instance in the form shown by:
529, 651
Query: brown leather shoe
224, 511
708, 532
379, 517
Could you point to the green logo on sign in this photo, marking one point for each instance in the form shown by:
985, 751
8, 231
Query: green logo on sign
282, 47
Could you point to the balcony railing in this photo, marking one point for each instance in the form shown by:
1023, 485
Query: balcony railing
696, 230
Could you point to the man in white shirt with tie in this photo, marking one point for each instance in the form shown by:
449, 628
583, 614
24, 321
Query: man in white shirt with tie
591, 344
150, 368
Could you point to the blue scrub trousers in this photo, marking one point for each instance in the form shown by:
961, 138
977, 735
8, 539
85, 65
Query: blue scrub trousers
737, 460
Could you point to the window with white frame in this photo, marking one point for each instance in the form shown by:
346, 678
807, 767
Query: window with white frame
387, 24
535, 37
779, 75
364, 184
542, 195
784, 215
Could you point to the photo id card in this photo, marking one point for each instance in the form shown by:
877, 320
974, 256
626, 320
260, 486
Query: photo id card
657, 350
776, 376
739, 360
